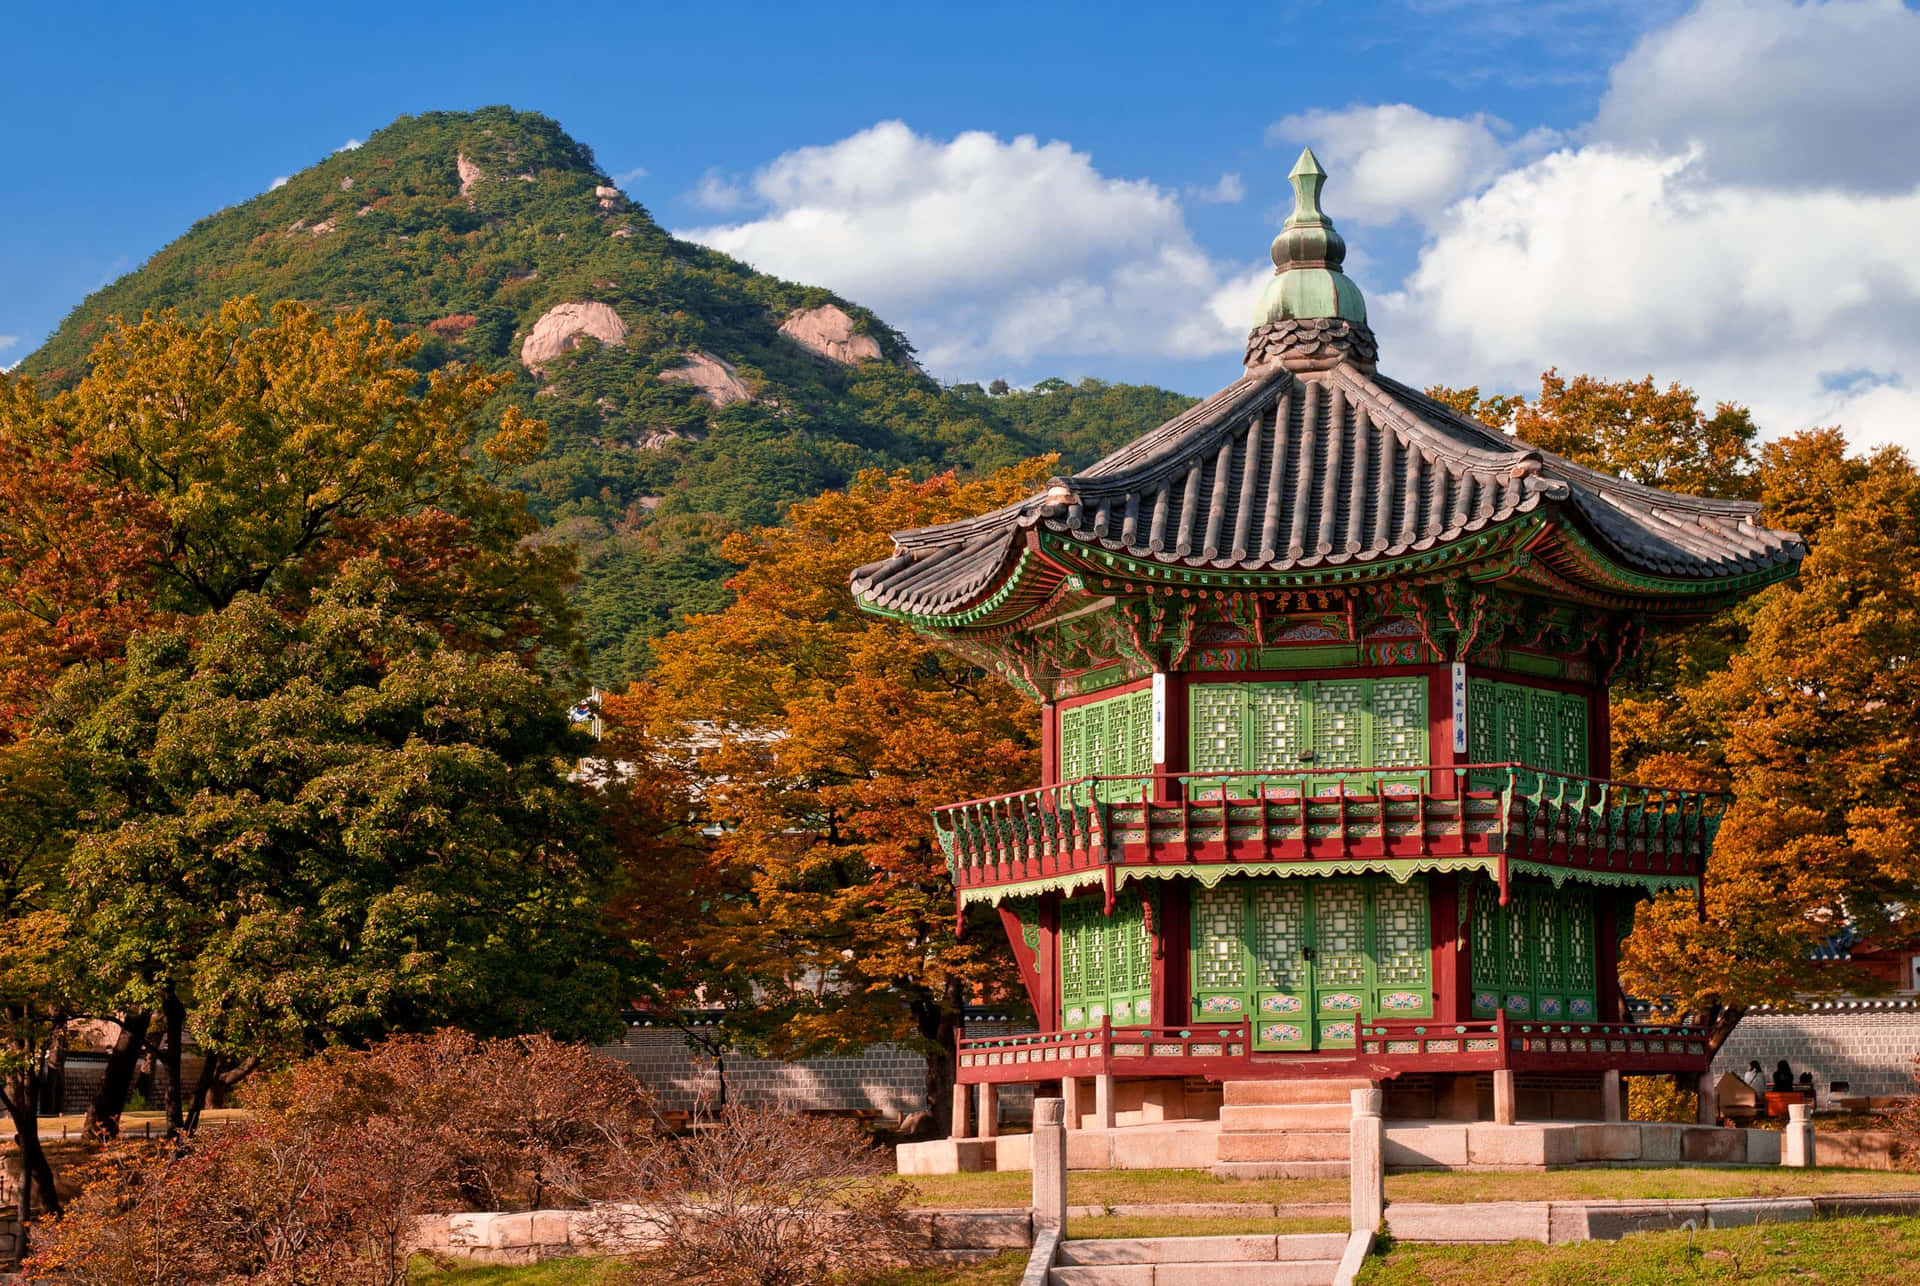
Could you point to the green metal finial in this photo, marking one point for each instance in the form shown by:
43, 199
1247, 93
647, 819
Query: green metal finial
1307, 256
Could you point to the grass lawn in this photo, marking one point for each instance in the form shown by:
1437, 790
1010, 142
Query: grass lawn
1838, 1252
1147, 1187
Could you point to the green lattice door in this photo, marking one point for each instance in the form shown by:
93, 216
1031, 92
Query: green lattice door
1535, 957
1106, 962
1309, 958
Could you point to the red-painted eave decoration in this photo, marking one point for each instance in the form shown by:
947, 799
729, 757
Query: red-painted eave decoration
1157, 826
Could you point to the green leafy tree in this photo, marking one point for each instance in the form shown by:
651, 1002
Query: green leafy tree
324, 829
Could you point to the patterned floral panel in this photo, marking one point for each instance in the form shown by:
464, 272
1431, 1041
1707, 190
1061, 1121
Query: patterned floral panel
1276, 726
1216, 716
1342, 1031
1399, 723
1281, 1034
1340, 925
1281, 1004
1340, 1002
1219, 920
1279, 933
1339, 725
1402, 940
1400, 1001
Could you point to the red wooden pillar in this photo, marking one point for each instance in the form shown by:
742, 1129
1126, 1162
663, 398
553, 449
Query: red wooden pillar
1440, 752
1606, 961
1173, 750
1600, 720
1049, 744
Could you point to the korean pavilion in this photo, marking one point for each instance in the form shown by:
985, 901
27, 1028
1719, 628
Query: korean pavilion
1323, 670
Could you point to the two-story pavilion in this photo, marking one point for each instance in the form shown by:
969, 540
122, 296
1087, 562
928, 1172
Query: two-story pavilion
1323, 671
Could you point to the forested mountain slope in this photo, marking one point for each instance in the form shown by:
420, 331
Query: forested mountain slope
686, 394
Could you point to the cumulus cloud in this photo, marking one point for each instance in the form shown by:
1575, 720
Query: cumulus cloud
987, 250
1228, 191
716, 191
350, 145
633, 175
1804, 95
1395, 161
279, 182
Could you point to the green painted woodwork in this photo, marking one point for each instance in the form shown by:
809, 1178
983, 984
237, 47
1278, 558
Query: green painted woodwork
1110, 738
1534, 957
1308, 959
1512, 723
1361, 724
1106, 962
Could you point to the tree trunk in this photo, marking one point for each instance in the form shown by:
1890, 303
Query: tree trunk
19, 1098
174, 1015
110, 1100
1721, 1024
938, 1018
214, 1076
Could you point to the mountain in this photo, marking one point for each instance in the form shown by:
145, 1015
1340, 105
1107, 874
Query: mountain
686, 395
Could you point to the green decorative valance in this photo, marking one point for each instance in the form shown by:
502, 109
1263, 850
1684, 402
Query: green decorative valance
998, 893
1647, 880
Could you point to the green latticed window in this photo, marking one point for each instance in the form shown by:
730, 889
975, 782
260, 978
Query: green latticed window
1510, 723
1282, 728
1106, 962
1535, 956
1110, 738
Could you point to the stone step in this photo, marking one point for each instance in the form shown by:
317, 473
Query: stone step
1234, 1247
1299, 1272
1282, 1145
1288, 1116
1337, 1089
1280, 1169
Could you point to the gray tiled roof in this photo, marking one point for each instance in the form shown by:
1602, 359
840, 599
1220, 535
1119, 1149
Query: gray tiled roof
1289, 470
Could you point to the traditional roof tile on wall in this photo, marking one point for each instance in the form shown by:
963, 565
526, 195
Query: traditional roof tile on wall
1296, 470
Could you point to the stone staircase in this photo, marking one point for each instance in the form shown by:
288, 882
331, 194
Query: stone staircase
1286, 1129
1265, 1259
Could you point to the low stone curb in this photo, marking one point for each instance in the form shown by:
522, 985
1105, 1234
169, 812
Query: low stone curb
1046, 1248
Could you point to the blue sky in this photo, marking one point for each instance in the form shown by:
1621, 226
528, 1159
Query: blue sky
1089, 190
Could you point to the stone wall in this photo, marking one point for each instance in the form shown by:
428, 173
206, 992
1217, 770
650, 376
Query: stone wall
9, 1238
1870, 1044
886, 1079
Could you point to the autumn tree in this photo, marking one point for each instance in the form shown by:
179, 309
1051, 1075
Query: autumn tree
1810, 723
828, 735
327, 828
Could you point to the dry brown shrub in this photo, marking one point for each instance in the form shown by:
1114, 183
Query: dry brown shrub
770, 1198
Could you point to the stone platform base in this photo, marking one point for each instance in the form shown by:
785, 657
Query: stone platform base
1411, 1145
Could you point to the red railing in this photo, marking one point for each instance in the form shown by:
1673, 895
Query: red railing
1328, 813
1197, 1049
1535, 1046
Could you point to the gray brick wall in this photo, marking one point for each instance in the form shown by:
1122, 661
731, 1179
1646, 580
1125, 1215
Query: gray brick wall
888, 1079
1869, 1044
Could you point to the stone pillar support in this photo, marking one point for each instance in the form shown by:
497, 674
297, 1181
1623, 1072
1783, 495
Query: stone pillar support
989, 1110
1367, 1165
1613, 1097
961, 1094
1796, 1143
1070, 1102
1103, 1101
1709, 1099
1505, 1098
1049, 1164
1463, 1099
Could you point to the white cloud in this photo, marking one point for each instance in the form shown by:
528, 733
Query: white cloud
633, 175
1228, 191
716, 191
8, 341
1392, 160
350, 145
279, 182
987, 250
1797, 95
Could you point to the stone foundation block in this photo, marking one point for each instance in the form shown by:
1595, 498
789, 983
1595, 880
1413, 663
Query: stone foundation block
1763, 1147
1282, 1146
1163, 1250
468, 1229
1426, 1147
1013, 1152
1089, 1150
551, 1228
1161, 1150
508, 1231
1712, 1144
1606, 1142
1520, 1146
945, 1156
1660, 1142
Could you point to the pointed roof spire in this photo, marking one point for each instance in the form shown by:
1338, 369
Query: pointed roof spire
1308, 285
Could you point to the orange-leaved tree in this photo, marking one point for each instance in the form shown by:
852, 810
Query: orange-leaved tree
823, 737
1810, 723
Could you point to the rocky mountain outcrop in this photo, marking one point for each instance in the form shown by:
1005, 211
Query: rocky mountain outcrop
470, 173
828, 332
715, 379
561, 327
